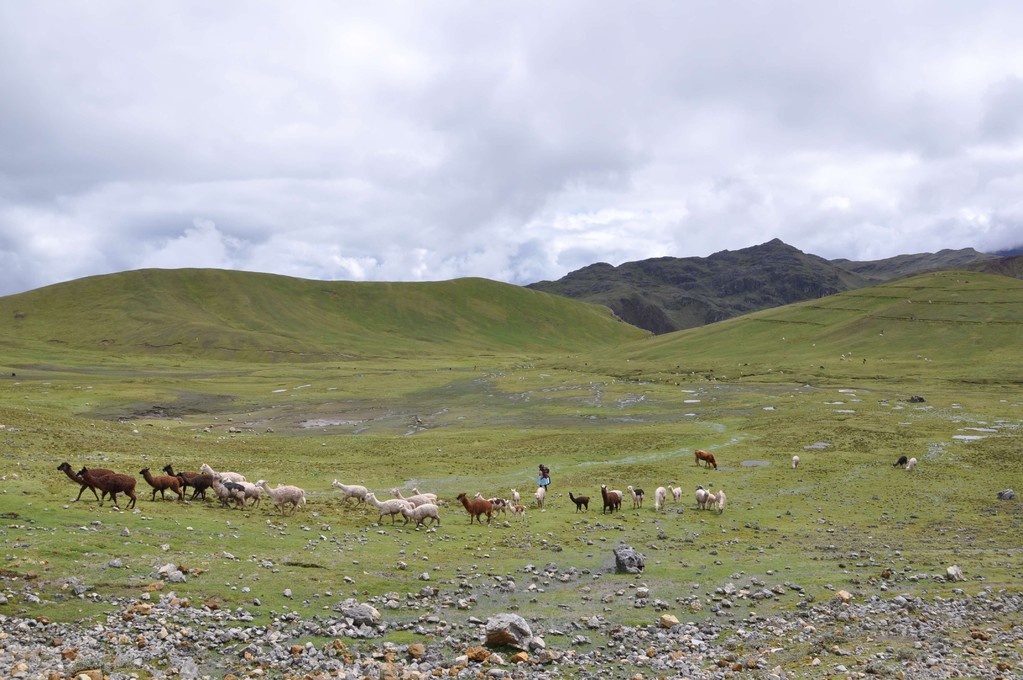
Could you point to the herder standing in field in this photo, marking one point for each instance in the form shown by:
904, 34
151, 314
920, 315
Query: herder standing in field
544, 479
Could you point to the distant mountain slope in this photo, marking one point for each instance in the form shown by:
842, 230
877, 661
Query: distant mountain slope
878, 271
259, 317
668, 293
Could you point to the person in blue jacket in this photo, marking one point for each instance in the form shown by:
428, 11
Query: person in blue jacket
544, 479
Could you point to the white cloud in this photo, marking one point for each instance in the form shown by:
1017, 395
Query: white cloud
413, 141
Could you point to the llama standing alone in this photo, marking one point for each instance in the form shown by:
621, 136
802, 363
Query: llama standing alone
707, 457
795, 462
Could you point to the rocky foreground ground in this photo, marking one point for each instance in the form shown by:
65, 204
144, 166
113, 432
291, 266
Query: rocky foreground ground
848, 636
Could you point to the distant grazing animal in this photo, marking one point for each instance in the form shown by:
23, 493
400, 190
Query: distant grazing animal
112, 484
660, 496
795, 462
901, 462
225, 476
707, 457
516, 498
637, 496
162, 483
66, 469
612, 499
911, 464
519, 510
477, 507
581, 502
199, 481
676, 492
721, 501
541, 496
710, 500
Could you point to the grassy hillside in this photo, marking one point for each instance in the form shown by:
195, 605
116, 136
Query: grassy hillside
949, 326
262, 317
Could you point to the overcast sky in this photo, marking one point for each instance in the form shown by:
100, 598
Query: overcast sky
517, 141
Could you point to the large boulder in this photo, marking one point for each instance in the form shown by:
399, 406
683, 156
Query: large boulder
628, 560
361, 614
508, 630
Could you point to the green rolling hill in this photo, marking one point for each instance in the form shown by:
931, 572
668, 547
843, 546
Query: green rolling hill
263, 317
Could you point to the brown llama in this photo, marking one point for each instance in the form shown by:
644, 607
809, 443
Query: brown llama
65, 467
163, 483
612, 499
199, 481
707, 457
477, 507
581, 502
112, 484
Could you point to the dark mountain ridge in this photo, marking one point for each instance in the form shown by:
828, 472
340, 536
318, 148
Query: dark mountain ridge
667, 294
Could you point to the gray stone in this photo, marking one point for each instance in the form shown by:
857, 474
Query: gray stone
628, 560
508, 630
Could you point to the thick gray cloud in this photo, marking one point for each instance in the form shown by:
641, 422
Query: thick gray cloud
515, 141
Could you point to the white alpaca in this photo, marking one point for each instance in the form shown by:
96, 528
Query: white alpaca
660, 495
676, 492
391, 506
224, 476
721, 501
541, 494
637, 496
795, 462
284, 495
701, 497
910, 464
356, 491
